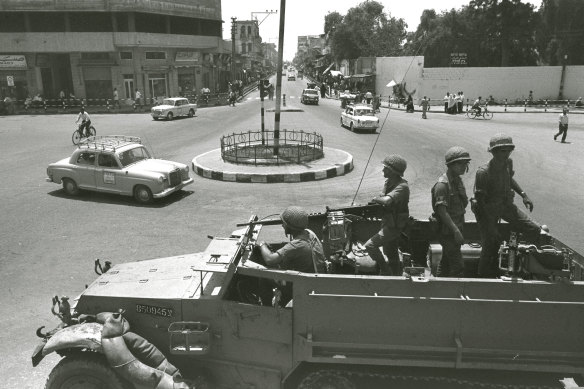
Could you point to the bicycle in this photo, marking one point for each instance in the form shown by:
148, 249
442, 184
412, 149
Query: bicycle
78, 134
473, 113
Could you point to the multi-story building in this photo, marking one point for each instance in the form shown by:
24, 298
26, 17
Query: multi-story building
90, 47
248, 49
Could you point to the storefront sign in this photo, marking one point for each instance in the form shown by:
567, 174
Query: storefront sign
188, 56
13, 61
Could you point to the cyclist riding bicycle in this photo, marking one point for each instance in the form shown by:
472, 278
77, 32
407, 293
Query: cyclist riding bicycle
85, 122
477, 105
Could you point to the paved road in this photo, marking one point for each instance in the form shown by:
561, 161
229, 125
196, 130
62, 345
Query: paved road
48, 241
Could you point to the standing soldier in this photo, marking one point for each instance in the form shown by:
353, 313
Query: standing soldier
394, 199
449, 203
563, 125
424, 104
494, 191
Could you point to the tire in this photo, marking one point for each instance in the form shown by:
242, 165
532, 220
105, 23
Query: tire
84, 370
169, 116
471, 114
70, 187
324, 379
191, 113
155, 119
488, 115
342, 125
351, 127
75, 138
92, 131
143, 194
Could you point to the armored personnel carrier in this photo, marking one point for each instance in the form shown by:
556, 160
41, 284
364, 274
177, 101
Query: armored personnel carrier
199, 320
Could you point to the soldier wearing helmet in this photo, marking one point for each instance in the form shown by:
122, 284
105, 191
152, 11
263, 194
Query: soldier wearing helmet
394, 199
494, 190
303, 253
449, 203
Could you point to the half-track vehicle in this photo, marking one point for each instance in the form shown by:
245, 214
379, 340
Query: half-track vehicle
197, 320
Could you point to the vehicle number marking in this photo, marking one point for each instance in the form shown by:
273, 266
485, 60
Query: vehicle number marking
152, 310
109, 178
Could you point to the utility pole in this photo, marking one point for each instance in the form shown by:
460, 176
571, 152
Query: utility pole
279, 77
233, 31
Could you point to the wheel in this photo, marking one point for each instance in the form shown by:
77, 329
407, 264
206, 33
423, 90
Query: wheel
70, 187
324, 379
342, 125
84, 370
155, 119
169, 116
75, 138
488, 115
143, 194
471, 114
92, 131
351, 127
191, 113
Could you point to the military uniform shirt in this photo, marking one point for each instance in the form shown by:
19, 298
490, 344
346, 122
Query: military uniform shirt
298, 253
495, 184
396, 212
450, 192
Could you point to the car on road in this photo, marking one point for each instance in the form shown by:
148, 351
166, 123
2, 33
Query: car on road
359, 117
309, 96
118, 164
173, 107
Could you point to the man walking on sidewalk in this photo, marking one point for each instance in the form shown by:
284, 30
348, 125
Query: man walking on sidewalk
563, 125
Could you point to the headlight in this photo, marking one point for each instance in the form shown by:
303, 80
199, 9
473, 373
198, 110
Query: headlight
161, 179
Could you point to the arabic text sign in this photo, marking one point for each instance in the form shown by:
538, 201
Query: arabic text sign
13, 61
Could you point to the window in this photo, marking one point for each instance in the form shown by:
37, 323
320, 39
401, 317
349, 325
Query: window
242, 33
249, 48
107, 160
90, 22
150, 23
155, 55
86, 158
125, 55
95, 56
122, 23
41, 22
249, 30
12, 22
243, 46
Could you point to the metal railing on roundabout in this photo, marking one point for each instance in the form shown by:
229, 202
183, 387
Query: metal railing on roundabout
269, 147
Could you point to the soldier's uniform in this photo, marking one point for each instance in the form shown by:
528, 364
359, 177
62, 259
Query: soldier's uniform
450, 192
494, 186
394, 220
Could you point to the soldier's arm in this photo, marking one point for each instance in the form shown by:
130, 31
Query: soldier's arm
526, 200
271, 259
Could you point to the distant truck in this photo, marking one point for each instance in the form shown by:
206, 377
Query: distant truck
199, 319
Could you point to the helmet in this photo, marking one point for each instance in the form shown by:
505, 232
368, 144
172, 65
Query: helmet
396, 163
455, 154
501, 140
295, 218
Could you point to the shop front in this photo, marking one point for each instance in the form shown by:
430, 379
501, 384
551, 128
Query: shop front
13, 76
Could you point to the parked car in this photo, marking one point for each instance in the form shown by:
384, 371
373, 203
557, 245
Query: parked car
359, 117
118, 164
173, 107
309, 96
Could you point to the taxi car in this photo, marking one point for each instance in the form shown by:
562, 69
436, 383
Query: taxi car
309, 96
359, 117
118, 164
173, 107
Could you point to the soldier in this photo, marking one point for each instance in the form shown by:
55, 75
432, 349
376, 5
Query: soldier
394, 199
494, 191
303, 253
449, 202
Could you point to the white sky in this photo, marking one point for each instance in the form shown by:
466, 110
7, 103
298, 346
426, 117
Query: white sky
306, 17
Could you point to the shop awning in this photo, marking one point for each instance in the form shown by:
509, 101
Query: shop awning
329, 68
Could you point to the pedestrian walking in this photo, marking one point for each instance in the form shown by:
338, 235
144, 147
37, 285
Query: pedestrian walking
446, 99
495, 187
116, 98
449, 203
563, 125
460, 101
452, 103
138, 99
424, 104
368, 97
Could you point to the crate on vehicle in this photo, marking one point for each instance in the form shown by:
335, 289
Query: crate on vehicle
108, 142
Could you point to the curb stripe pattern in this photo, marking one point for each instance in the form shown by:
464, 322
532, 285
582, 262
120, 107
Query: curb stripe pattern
273, 178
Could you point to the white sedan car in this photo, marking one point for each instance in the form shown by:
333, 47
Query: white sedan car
173, 107
360, 117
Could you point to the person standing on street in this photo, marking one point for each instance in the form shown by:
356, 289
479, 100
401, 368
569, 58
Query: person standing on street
494, 190
116, 98
563, 125
368, 97
394, 200
138, 101
449, 203
424, 104
446, 99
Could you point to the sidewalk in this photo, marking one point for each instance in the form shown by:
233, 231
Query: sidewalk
335, 163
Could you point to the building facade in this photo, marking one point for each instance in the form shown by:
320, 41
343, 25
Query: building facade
89, 48
249, 57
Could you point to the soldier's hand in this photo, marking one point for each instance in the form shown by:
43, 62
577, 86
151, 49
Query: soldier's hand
458, 238
528, 203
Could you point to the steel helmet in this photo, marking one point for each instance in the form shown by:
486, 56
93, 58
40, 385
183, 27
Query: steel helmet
396, 163
455, 154
501, 140
295, 218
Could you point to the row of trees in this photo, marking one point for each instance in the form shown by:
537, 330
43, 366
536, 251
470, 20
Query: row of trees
490, 32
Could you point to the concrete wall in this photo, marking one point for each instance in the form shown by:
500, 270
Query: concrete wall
511, 83
399, 69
